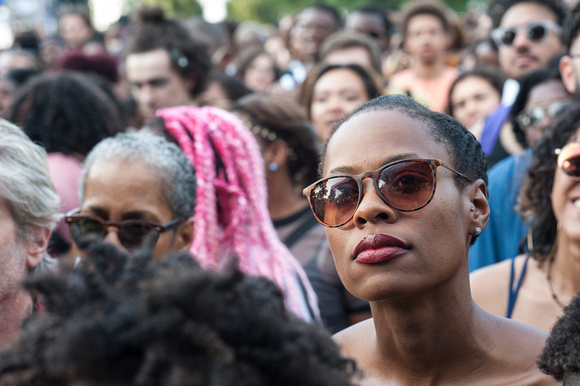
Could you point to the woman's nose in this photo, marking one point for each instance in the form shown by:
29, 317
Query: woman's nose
372, 208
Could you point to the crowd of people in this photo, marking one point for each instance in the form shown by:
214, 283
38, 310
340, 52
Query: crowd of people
192, 203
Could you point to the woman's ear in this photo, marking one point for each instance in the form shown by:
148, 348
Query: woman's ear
36, 248
184, 237
479, 206
276, 153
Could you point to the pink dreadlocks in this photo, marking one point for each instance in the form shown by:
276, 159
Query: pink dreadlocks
231, 214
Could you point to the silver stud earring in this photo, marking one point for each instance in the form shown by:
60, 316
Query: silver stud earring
472, 209
477, 231
273, 166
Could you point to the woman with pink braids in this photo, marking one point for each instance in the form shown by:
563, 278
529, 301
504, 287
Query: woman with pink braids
231, 214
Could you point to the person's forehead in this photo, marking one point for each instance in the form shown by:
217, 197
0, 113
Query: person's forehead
72, 18
156, 63
338, 79
521, 14
381, 142
423, 21
350, 55
364, 20
545, 92
316, 15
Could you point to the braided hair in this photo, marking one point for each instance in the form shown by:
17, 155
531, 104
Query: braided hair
133, 320
231, 214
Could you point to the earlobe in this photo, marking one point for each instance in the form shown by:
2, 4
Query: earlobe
36, 248
479, 206
184, 237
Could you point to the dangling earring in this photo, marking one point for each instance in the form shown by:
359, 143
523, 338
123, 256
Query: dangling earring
273, 166
476, 231
530, 240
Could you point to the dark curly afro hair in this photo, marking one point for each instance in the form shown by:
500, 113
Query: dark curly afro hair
138, 321
561, 355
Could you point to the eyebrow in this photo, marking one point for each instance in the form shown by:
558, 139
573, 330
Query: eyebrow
398, 157
132, 215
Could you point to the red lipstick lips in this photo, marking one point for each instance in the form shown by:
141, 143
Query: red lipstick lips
378, 248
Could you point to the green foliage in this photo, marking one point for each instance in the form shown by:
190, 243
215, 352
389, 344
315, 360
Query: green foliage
180, 8
270, 11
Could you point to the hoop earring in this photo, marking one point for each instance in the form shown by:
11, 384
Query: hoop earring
530, 240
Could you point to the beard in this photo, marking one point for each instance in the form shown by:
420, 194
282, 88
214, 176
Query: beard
12, 268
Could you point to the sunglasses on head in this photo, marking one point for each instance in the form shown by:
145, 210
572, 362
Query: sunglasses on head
87, 228
405, 185
530, 118
569, 159
536, 32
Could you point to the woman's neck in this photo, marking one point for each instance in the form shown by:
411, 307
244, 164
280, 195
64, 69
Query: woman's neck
283, 200
427, 337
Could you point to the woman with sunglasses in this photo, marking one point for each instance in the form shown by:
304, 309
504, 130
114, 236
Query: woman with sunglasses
542, 97
400, 218
534, 287
136, 190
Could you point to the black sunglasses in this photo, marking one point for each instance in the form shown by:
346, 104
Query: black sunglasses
569, 159
86, 229
405, 185
536, 32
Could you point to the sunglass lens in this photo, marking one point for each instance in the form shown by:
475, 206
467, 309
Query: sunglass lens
335, 200
86, 231
407, 185
536, 32
134, 236
571, 166
508, 37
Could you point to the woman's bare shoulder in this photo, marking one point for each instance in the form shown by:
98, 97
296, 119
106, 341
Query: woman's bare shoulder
490, 285
515, 352
355, 339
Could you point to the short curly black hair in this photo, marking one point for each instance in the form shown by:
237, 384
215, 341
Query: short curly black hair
152, 30
138, 321
536, 205
67, 112
561, 356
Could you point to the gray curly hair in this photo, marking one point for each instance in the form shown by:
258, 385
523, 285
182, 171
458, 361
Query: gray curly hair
176, 173
26, 185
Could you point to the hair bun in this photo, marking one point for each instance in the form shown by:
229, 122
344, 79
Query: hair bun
151, 14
